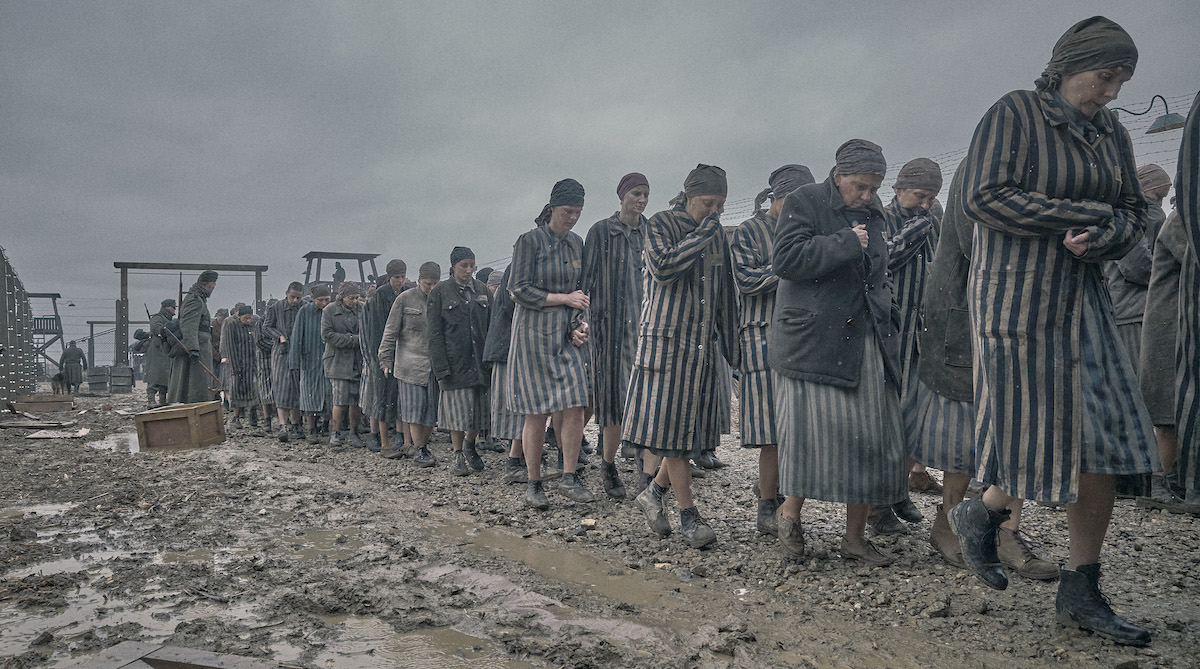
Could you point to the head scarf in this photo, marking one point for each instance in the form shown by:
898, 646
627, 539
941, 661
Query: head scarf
459, 254
782, 182
221, 313
348, 288
704, 180
244, 309
483, 274
919, 173
629, 182
396, 268
320, 290
566, 193
1152, 176
1092, 44
858, 156
207, 276
168, 302
494, 279
430, 270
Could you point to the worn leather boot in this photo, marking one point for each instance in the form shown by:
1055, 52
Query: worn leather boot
335, 438
944, 541
353, 439
791, 534
458, 465
285, 433
1081, 604
392, 452
535, 496
884, 522
695, 529
473, 458
923, 481
374, 443
1161, 496
424, 458
867, 554
908, 511
1016, 554
573, 489
313, 437
650, 501
766, 522
612, 480
515, 471
976, 526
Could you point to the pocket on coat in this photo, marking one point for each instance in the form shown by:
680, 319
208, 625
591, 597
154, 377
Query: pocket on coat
655, 349
958, 349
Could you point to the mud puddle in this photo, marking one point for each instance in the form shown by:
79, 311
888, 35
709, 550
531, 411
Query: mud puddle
120, 442
43, 510
367, 643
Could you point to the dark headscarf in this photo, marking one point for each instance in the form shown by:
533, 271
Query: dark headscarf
1152, 176
459, 254
320, 290
858, 156
483, 274
782, 182
566, 193
207, 276
919, 173
430, 270
244, 309
704, 180
396, 267
629, 182
1092, 44
349, 288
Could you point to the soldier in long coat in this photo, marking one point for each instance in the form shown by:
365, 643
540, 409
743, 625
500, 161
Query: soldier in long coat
458, 320
379, 395
612, 280
342, 361
1187, 348
751, 249
1052, 193
158, 365
239, 358
285, 382
190, 381
72, 363
547, 359
404, 356
305, 353
688, 321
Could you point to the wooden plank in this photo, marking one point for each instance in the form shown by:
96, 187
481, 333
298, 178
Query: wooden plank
174, 657
59, 434
47, 407
199, 267
114, 657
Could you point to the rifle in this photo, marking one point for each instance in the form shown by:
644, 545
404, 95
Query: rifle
198, 361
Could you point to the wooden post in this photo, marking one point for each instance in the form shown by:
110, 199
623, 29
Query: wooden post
121, 336
91, 344
258, 300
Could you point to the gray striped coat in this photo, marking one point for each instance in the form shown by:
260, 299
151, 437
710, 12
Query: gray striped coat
912, 238
1187, 348
305, 353
278, 322
688, 315
546, 372
1156, 371
239, 353
612, 278
1054, 391
751, 250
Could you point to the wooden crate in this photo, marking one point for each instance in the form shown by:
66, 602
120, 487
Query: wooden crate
181, 425
43, 403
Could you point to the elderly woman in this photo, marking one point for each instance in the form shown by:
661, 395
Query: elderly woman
547, 361
458, 322
612, 280
751, 250
832, 346
239, 357
688, 315
305, 355
1052, 191
404, 355
342, 361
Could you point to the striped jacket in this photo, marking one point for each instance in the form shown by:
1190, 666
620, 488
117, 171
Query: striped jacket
1031, 178
1187, 348
756, 283
912, 238
612, 278
689, 310
305, 354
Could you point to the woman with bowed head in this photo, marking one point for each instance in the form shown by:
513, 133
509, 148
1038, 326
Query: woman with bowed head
1052, 189
547, 359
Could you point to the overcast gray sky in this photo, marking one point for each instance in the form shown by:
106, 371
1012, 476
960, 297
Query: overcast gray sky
253, 132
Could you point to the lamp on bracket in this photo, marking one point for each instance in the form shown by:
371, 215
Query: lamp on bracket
1167, 121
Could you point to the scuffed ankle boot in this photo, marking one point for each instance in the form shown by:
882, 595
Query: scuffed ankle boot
650, 501
695, 529
1081, 604
611, 480
766, 521
976, 526
943, 540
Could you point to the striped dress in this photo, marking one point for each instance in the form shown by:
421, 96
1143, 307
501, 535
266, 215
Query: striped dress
612, 278
505, 423
304, 355
1156, 371
378, 392
1128, 279
239, 349
688, 321
546, 372
1187, 349
262, 348
285, 381
756, 283
1055, 393
912, 239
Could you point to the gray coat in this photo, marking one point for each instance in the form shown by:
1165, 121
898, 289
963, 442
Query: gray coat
1161, 325
158, 365
189, 381
457, 333
1128, 279
342, 358
405, 343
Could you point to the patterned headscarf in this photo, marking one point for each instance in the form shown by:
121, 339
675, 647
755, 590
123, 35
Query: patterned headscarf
1097, 43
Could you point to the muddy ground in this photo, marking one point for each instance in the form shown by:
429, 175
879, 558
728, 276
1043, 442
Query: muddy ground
316, 557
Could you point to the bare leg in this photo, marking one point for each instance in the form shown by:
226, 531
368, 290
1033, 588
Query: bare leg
570, 431
470, 436
516, 449
355, 416
612, 443
954, 489
768, 472
420, 434
676, 473
1088, 518
996, 499
385, 439
856, 524
1168, 446
650, 462
791, 506
335, 423
533, 438
456, 440
1014, 521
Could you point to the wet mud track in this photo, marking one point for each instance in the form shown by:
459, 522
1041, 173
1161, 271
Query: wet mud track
313, 557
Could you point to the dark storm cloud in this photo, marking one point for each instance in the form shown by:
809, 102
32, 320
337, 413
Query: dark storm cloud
255, 132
